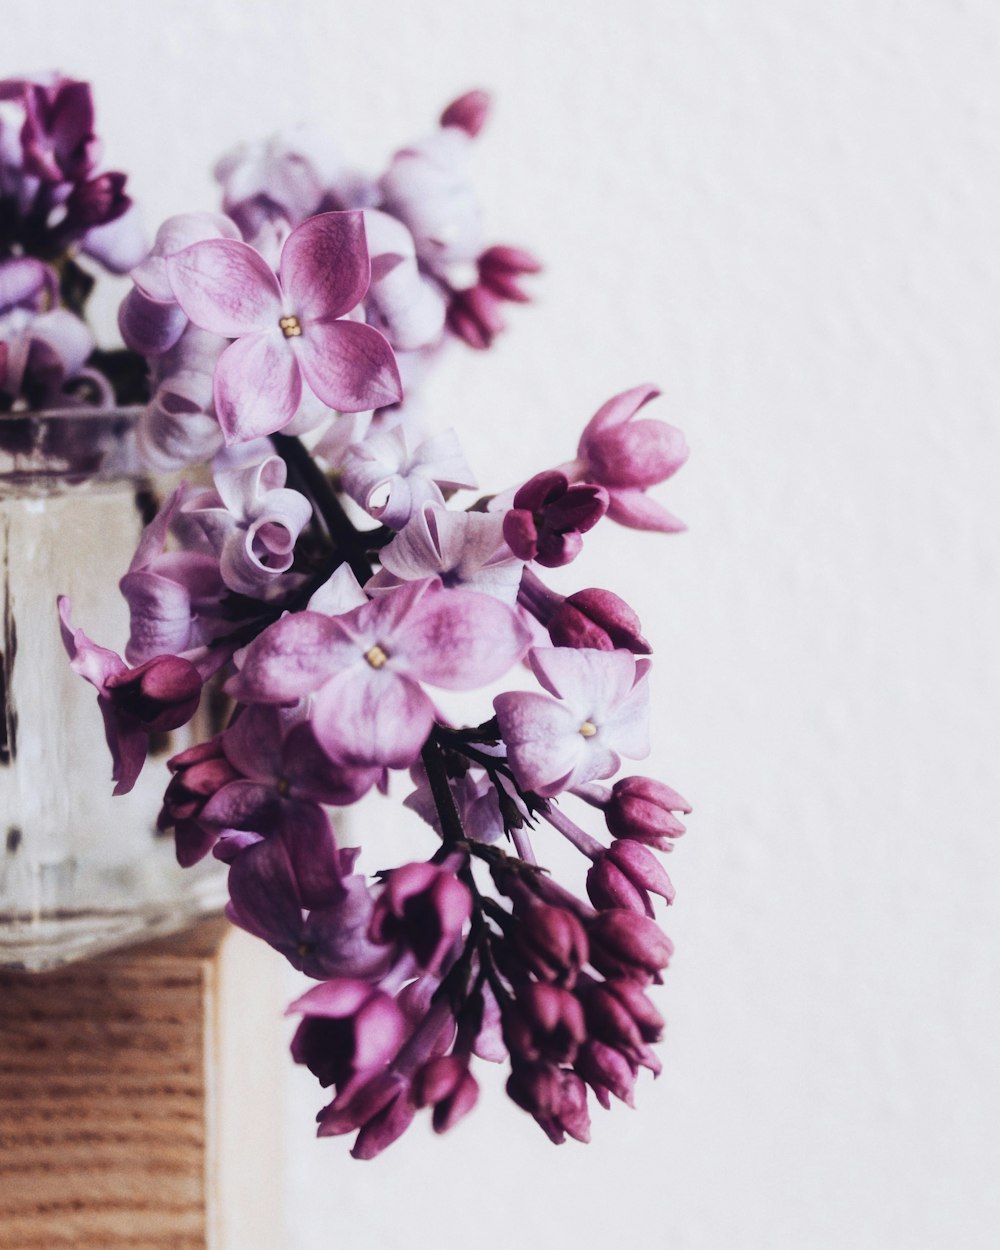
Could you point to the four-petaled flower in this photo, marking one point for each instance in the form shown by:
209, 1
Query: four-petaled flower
287, 329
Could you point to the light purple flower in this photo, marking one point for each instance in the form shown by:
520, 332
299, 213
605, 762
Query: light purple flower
462, 548
251, 520
290, 332
424, 907
364, 668
408, 307
597, 713
390, 481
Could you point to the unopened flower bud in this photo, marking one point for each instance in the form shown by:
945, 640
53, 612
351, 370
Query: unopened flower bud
474, 316
642, 808
159, 695
500, 267
545, 1022
549, 516
446, 1084
551, 942
198, 774
626, 944
468, 112
555, 1097
598, 619
624, 876
619, 1013
607, 1071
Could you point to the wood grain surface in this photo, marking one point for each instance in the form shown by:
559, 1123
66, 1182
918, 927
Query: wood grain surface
138, 1103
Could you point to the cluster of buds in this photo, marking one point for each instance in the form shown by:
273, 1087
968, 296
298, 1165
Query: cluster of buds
56, 203
330, 638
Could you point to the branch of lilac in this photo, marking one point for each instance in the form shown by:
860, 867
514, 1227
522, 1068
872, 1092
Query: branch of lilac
332, 584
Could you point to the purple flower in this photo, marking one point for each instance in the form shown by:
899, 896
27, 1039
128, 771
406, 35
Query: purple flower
251, 520
500, 267
597, 714
625, 944
289, 333
424, 907
350, 1032
624, 876
627, 456
642, 808
549, 517
462, 548
391, 481
555, 1097
161, 694
58, 134
364, 668
446, 1084
598, 619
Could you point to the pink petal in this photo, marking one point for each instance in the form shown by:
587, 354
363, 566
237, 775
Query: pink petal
324, 266
543, 740
257, 387
591, 680
636, 510
461, 639
368, 716
225, 287
290, 659
349, 365
616, 411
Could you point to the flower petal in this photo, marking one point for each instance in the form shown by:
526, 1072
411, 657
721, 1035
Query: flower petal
290, 659
460, 639
349, 365
324, 266
257, 387
226, 287
369, 716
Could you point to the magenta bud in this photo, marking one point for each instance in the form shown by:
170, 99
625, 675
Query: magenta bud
551, 943
607, 1071
555, 1097
423, 906
619, 1013
544, 1023
642, 808
385, 1127
624, 943
549, 516
198, 774
468, 112
625, 875
474, 316
500, 267
598, 619
447, 1085
161, 694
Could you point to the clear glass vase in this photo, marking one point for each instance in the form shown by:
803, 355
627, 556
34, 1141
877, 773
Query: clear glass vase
80, 871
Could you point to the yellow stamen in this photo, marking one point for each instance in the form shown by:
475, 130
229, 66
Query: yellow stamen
290, 327
376, 657
588, 729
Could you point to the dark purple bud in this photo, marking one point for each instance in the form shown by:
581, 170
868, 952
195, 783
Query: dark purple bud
620, 1014
424, 907
642, 808
607, 1071
468, 112
555, 1097
626, 944
198, 774
624, 876
446, 1084
385, 1127
161, 694
58, 137
549, 516
598, 619
97, 202
474, 316
499, 269
551, 942
545, 1022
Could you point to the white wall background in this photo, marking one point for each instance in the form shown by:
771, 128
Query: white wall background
787, 214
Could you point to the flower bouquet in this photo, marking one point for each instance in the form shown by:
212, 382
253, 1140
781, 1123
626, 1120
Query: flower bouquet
339, 578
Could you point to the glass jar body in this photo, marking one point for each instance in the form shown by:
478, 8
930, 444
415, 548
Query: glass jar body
80, 871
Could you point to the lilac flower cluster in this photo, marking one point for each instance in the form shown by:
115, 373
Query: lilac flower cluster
56, 202
331, 637
317, 289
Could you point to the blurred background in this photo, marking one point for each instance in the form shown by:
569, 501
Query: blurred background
785, 214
